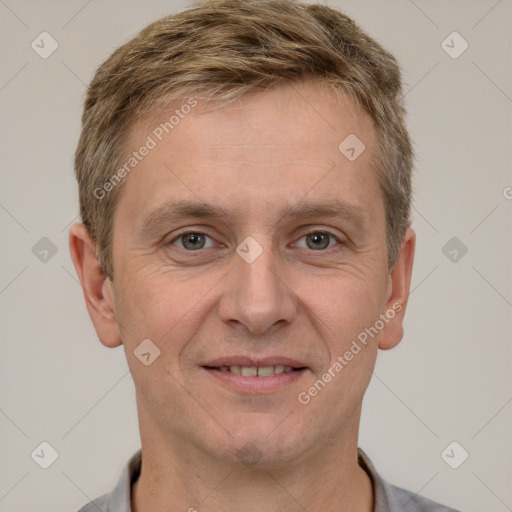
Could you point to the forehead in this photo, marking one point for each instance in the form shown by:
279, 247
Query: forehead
290, 142
285, 114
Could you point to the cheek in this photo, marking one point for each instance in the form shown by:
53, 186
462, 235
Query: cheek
163, 309
145, 310
151, 309
344, 315
347, 305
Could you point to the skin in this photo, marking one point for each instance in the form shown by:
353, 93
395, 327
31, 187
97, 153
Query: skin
253, 157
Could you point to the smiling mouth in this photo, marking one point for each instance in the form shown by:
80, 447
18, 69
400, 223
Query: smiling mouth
255, 371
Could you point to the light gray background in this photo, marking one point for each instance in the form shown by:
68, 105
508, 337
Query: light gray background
448, 380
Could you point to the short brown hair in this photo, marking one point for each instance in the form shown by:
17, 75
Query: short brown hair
220, 50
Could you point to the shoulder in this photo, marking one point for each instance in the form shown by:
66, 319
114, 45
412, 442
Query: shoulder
407, 501
95, 505
119, 499
391, 498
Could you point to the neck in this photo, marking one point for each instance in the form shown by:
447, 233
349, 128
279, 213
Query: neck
177, 476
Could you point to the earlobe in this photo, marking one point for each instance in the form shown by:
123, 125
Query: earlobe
97, 288
398, 293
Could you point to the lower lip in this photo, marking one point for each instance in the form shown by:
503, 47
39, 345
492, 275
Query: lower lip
256, 384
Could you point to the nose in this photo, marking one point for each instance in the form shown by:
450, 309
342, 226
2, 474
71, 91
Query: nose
256, 294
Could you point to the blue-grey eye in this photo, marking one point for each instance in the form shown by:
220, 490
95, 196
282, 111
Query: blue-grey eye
318, 240
192, 241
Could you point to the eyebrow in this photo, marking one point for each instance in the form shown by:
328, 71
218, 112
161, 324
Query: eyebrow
332, 208
183, 209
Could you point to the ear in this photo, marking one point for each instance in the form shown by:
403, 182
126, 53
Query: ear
96, 286
399, 284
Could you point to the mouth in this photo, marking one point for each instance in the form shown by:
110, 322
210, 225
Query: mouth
255, 371
256, 377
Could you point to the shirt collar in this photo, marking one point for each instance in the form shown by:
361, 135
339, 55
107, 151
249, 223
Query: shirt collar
119, 498
382, 491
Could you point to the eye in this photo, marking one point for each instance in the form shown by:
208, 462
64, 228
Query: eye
192, 241
319, 240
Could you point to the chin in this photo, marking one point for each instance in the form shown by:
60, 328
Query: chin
264, 443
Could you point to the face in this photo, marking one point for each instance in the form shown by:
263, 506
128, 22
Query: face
246, 242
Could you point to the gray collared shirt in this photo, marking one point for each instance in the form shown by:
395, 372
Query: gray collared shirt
388, 498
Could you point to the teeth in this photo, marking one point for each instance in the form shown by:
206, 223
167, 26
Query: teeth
248, 371
264, 371
252, 371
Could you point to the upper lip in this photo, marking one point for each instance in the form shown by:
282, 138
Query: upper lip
254, 362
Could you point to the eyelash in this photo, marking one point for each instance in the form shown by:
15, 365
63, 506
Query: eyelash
312, 232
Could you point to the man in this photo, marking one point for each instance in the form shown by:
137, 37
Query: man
244, 178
